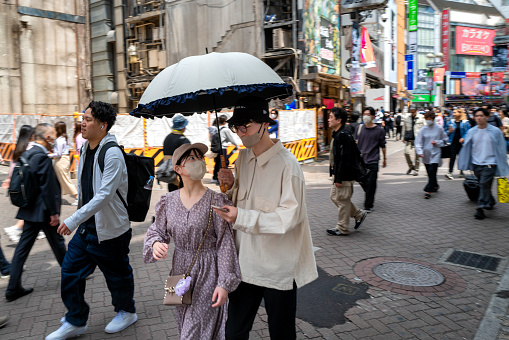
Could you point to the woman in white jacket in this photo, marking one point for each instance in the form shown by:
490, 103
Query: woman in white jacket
428, 142
62, 162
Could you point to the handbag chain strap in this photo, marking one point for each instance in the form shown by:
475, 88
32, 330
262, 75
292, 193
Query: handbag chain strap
202, 239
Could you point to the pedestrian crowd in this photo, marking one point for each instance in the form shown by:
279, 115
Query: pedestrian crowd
232, 249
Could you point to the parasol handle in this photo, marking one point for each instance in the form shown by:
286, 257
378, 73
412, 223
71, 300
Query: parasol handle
224, 187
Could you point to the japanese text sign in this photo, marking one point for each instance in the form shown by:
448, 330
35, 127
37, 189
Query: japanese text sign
445, 37
474, 41
412, 15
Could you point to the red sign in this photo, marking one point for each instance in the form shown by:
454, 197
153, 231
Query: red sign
474, 41
438, 75
445, 37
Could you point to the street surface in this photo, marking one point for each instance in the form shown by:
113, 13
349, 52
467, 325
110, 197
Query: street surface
403, 227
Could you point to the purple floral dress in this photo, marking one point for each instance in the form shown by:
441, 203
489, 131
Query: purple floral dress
216, 264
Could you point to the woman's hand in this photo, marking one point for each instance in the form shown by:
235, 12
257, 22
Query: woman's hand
462, 140
159, 250
220, 296
434, 143
422, 156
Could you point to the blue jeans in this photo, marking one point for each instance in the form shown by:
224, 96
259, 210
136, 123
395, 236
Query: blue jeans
485, 175
84, 254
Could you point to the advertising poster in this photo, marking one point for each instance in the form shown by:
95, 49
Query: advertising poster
367, 54
356, 45
474, 41
445, 38
321, 36
296, 125
356, 82
499, 58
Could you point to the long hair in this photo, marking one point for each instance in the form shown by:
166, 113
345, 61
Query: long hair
25, 133
61, 129
77, 129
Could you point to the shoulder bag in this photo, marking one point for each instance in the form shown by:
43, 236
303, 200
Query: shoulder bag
175, 285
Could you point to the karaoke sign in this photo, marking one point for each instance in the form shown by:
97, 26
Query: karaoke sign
474, 41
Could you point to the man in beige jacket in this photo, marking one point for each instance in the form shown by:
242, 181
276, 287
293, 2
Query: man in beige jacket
270, 220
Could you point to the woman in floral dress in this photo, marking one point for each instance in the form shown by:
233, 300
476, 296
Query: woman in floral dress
183, 216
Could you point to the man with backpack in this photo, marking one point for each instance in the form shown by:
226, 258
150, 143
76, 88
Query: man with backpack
39, 205
343, 156
226, 137
103, 230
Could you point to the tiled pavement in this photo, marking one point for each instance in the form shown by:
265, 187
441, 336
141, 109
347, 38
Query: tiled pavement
403, 226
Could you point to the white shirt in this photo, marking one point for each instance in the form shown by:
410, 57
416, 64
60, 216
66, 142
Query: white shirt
482, 148
272, 232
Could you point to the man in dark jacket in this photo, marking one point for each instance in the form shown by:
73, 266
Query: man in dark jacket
343, 157
42, 214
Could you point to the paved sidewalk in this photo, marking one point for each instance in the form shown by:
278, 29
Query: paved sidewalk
404, 227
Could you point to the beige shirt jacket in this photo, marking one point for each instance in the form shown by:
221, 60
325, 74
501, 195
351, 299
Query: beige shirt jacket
272, 232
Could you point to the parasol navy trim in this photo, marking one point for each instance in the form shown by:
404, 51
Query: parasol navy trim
142, 109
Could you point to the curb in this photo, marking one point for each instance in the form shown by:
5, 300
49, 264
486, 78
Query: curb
491, 323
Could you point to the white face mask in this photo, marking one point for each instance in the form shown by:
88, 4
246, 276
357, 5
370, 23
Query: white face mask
250, 141
196, 170
429, 122
367, 119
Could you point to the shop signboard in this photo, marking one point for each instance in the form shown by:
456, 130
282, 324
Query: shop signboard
327, 43
423, 98
445, 38
474, 41
438, 75
412, 15
361, 4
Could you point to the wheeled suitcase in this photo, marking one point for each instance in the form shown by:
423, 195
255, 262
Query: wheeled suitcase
471, 185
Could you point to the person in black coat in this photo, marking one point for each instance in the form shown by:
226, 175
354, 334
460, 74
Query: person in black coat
42, 214
344, 154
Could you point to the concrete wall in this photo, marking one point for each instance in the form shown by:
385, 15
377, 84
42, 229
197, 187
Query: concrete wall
48, 58
220, 26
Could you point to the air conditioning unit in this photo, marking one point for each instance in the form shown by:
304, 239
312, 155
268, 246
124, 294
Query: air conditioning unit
281, 38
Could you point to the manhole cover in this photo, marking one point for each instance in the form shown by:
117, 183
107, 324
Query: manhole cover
409, 274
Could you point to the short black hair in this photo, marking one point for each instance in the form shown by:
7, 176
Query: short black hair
340, 114
483, 110
370, 109
354, 116
103, 112
488, 107
182, 158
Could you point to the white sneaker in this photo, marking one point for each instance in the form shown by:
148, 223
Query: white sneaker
121, 321
15, 236
66, 331
10, 229
75, 203
449, 176
41, 235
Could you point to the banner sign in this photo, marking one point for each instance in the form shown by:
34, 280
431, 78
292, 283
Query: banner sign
474, 41
445, 38
367, 54
410, 75
356, 45
438, 75
327, 43
356, 82
412, 15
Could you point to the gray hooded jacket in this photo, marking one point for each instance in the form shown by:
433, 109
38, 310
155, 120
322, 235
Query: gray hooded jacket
111, 218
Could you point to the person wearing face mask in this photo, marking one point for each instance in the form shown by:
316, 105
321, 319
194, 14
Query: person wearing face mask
411, 126
184, 216
43, 214
269, 215
371, 138
428, 142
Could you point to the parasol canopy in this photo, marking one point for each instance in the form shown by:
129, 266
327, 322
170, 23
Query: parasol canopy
209, 82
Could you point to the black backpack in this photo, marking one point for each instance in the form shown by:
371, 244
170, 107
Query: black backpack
23, 186
215, 142
139, 172
398, 120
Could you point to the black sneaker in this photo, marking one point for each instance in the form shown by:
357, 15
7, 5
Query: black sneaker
409, 171
335, 232
479, 214
359, 222
369, 210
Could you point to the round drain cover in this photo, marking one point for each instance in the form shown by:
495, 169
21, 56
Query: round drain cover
409, 274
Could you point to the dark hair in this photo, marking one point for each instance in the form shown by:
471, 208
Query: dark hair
483, 110
488, 107
274, 111
61, 129
429, 114
77, 129
24, 135
354, 116
185, 156
103, 112
222, 119
340, 114
370, 109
